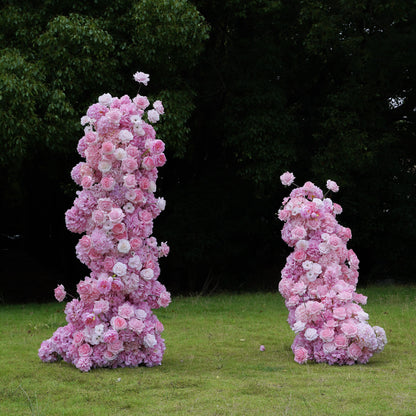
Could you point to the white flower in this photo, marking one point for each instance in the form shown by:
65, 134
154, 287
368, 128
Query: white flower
307, 265
120, 269
85, 120
123, 246
129, 208
140, 314
152, 186
302, 245
104, 166
120, 154
311, 334
125, 136
298, 326
147, 274
153, 116
138, 129
161, 203
105, 99
149, 341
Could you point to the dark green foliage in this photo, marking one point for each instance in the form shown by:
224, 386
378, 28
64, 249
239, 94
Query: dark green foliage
251, 88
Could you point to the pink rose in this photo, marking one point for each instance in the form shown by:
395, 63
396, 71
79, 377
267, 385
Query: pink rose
84, 288
110, 336
125, 136
136, 325
118, 323
164, 250
287, 178
327, 334
118, 228
87, 182
108, 264
104, 286
311, 334
105, 204
126, 311
299, 255
354, 351
340, 313
77, 338
108, 183
301, 355
98, 217
116, 346
148, 163
129, 181
60, 293
298, 233
158, 146
116, 215
141, 102
129, 165
101, 306
145, 216
349, 329
340, 341
136, 243
160, 160
85, 242
85, 350
107, 148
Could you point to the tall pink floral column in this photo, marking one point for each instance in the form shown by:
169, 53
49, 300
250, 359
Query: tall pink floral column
319, 282
112, 323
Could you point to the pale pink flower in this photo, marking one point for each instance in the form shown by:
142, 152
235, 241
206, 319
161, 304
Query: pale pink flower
60, 293
116, 215
141, 102
107, 148
101, 306
148, 163
326, 334
311, 334
340, 341
141, 77
262, 348
298, 233
158, 106
78, 338
105, 99
104, 166
332, 186
125, 136
136, 325
164, 299
153, 116
287, 178
120, 154
340, 313
349, 329
149, 341
126, 311
135, 262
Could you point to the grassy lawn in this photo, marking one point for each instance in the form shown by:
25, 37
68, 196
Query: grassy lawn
212, 364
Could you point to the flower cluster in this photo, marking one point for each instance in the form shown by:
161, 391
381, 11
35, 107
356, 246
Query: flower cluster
112, 324
319, 282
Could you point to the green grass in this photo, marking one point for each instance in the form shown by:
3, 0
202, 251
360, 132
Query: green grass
213, 366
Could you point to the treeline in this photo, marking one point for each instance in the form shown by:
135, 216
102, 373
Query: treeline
251, 88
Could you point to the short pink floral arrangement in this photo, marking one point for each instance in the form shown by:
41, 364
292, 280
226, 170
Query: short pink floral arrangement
112, 323
319, 282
